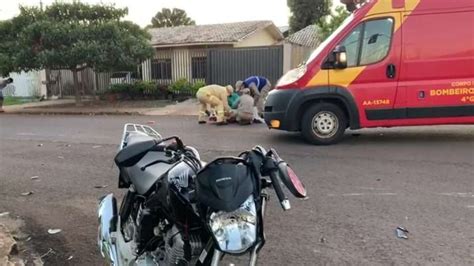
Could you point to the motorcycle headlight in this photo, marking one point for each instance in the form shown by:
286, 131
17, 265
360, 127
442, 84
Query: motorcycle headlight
235, 231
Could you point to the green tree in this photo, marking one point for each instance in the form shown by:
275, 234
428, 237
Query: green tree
171, 18
352, 5
76, 36
326, 25
306, 12
6, 45
11, 53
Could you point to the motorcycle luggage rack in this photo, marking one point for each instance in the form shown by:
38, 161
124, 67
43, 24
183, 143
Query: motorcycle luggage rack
137, 128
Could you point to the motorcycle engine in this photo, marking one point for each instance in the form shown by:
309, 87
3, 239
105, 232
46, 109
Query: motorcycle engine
148, 222
173, 253
140, 226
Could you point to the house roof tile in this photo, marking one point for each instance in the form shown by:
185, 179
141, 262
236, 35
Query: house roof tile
206, 34
308, 37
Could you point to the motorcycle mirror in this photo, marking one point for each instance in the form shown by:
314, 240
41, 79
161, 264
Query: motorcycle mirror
133, 153
175, 144
291, 180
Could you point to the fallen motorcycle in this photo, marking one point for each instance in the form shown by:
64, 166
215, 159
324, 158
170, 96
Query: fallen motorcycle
179, 210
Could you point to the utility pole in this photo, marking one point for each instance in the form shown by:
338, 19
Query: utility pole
41, 5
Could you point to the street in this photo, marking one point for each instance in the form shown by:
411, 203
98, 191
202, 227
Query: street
421, 178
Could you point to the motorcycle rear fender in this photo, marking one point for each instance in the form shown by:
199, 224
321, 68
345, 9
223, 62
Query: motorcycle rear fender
108, 217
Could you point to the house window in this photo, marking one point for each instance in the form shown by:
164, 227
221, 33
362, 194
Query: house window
199, 67
161, 69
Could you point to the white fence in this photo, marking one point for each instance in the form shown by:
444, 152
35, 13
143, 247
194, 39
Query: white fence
26, 84
62, 82
58, 83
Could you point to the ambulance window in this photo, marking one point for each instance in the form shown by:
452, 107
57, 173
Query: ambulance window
377, 39
352, 43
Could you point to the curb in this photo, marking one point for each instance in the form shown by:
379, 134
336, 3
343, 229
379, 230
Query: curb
74, 113
85, 113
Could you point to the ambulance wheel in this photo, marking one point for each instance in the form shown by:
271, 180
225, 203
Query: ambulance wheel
323, 124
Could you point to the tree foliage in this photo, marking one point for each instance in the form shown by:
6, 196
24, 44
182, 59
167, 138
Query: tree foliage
306, 12
330, 23
14, 56
72, 36
171, 18
6, 46
352, 5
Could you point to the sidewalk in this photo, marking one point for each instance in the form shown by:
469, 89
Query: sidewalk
50, 103
6, 245
189, 107
68, 107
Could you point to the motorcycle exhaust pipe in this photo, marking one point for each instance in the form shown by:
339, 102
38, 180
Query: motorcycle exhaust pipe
107, 213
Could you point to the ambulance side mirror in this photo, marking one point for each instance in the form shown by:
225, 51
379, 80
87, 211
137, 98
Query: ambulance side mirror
340, 57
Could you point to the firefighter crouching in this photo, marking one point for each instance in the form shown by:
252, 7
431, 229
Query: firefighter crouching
216, 97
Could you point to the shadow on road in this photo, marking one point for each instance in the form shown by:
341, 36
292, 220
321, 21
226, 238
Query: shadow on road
287, 137
385, 136
408, 137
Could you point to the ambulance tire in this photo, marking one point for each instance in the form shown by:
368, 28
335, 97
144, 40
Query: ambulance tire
323, 124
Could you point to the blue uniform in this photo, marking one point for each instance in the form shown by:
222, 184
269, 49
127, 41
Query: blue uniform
260, 82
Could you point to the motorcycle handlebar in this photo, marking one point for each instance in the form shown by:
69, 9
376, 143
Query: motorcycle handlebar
175, 146
269, 167
158, 147
284, 202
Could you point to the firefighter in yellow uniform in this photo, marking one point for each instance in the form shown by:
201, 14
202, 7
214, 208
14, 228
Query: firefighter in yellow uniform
216, 97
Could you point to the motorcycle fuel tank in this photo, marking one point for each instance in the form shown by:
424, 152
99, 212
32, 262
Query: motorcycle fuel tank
143, 178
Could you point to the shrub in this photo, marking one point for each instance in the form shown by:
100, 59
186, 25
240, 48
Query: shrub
134, 90
184, 87
149, 89
197, 86
118, 88
180, 86
144, 88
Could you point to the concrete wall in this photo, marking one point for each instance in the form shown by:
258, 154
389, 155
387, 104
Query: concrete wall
260, 38
27, 84
294, 55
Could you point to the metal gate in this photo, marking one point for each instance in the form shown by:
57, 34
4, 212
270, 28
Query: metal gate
62, 82
226, 66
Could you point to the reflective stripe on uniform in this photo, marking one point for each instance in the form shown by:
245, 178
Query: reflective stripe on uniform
258, 82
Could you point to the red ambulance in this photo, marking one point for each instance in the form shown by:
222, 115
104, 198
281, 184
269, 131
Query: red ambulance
391, 63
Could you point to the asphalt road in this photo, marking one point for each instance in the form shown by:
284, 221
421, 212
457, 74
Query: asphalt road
421, 178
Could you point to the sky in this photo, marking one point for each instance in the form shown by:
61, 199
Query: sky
202, 11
